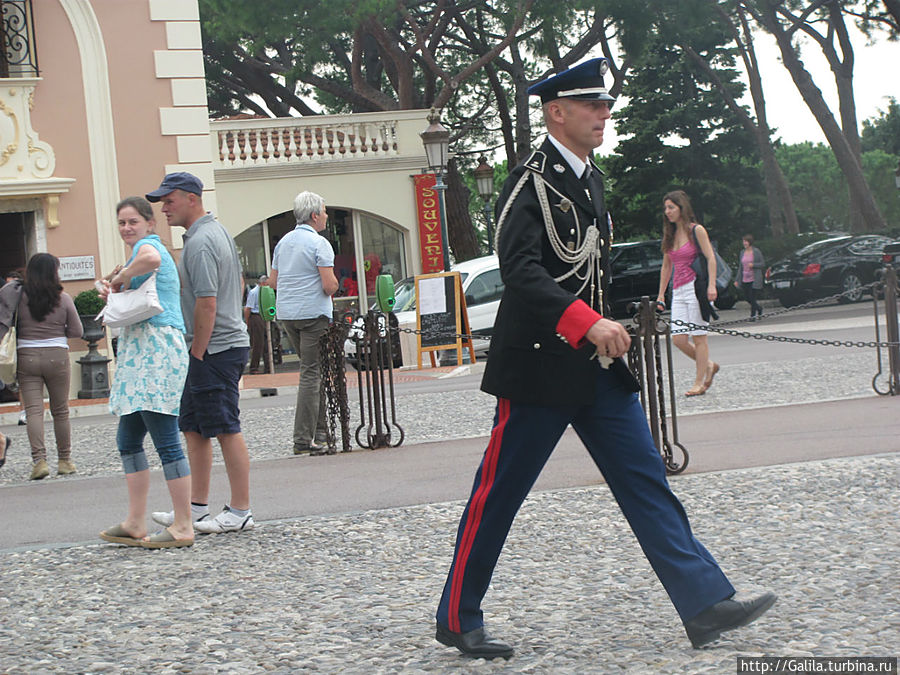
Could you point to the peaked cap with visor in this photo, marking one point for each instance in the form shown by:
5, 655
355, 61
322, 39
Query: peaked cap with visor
584, 81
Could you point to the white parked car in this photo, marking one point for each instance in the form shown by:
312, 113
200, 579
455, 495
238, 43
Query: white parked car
482, 288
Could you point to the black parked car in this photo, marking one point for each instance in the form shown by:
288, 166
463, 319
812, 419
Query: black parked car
635, 273
841, 264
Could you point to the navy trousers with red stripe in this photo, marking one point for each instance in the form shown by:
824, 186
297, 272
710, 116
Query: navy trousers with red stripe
615, 432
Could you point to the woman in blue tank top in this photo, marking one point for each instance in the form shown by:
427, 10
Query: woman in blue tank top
151, 366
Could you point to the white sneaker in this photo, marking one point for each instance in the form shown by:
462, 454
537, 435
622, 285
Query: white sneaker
166, 518
225, 522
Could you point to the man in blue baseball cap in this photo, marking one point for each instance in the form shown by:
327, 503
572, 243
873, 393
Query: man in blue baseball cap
180, 180
211, 291
556, 361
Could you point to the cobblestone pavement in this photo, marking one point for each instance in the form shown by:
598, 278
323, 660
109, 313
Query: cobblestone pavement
356, 593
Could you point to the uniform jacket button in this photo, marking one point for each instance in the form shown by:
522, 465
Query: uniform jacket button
537, 345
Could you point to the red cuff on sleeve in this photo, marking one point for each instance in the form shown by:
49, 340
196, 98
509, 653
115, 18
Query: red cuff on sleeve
575, 322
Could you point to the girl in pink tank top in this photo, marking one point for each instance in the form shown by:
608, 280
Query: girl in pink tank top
679, 252
682, 259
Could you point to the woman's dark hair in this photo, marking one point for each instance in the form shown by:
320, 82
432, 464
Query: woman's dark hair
683, 202
749, 238
42, 284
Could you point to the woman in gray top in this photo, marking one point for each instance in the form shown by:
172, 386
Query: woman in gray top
751, 264
47, 318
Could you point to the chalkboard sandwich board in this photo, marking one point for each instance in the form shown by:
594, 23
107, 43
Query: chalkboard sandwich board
441, 315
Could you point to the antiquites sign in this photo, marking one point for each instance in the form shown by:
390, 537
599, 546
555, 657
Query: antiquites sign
76, 267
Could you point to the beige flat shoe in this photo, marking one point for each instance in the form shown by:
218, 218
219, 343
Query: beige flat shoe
165, 539
118, 535
695, 391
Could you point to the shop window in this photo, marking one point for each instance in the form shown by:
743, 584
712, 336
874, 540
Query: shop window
251, 251
384, 251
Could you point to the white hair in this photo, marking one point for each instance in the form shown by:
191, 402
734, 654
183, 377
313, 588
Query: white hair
306, 204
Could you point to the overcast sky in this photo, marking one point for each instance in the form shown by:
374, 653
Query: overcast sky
875, 77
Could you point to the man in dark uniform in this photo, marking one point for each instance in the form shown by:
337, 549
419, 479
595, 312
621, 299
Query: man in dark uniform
555, 361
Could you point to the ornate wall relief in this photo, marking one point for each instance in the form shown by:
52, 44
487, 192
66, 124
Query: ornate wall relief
22, 154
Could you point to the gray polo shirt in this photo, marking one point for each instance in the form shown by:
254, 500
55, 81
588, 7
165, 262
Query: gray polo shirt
210, 267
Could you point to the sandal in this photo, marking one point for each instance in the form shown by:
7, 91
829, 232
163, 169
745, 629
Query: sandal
165, 539
696, 390
710, 374
117, 535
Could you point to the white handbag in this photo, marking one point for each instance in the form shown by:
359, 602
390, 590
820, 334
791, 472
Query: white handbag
8, 355
132, 306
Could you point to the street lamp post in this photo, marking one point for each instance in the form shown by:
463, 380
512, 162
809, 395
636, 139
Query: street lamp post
484, 179
436, 140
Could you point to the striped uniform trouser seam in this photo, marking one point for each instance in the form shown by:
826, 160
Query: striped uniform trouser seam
476, 509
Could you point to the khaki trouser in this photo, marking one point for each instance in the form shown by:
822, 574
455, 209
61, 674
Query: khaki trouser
39, 366
309, 417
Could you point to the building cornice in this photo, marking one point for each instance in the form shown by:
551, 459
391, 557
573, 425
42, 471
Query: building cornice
413, 164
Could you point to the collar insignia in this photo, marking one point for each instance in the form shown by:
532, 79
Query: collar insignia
536, 161
559, 168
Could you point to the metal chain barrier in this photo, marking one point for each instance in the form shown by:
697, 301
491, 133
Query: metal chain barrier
375, 354
334, 384
719, 326
649, 331
804, 305
892, 322
858, 344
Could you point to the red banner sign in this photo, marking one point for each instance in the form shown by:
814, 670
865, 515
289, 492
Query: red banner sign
428, 213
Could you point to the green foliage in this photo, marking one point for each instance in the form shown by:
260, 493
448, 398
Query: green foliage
678, 133
88, 302
883, 132
879, 168
476, 203
820, 189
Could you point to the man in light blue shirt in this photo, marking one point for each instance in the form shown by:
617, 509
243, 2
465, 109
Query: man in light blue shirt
303, 274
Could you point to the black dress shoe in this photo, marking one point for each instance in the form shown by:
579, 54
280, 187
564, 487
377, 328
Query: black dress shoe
475, 643
726, 615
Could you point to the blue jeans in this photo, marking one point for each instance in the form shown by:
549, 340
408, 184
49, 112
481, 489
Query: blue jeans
164, 433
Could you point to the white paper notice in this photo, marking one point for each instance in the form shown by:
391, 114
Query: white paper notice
431, 296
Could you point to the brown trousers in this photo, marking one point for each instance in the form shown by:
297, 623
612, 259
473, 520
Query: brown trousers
258, 348
39, 366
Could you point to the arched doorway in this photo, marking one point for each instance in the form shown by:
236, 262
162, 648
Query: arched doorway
365, 246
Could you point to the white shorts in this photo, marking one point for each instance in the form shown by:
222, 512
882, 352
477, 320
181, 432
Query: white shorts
685, 307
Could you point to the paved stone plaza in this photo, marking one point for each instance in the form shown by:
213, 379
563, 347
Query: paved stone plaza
355, 592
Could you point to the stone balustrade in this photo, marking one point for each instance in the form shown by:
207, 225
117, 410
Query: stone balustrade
313, 140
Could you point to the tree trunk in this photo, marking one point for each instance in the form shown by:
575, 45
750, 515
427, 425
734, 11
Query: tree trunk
843, 78
463, 242
778, 194
523, 120
812, 96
